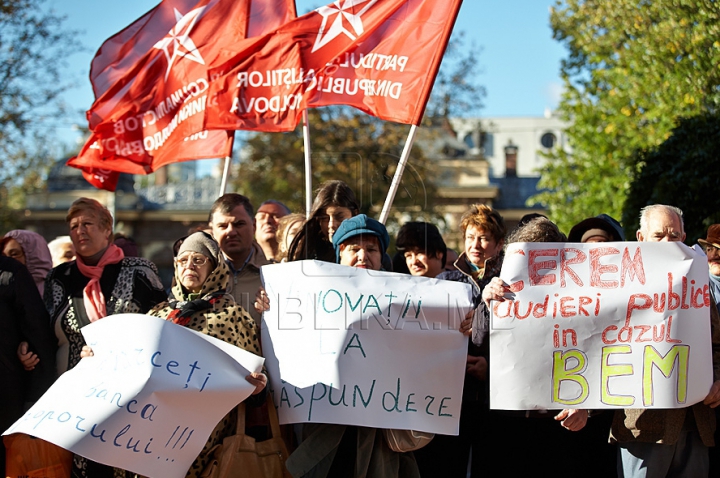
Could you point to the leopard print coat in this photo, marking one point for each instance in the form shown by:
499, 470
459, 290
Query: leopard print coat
226, 321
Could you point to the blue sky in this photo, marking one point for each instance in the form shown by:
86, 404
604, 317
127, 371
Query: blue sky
519, 60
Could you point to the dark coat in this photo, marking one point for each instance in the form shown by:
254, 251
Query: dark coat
22, 318
473, 388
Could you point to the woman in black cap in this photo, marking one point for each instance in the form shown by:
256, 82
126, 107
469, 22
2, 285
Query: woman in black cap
601, 228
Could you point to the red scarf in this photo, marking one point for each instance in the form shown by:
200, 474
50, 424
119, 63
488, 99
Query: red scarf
92, 294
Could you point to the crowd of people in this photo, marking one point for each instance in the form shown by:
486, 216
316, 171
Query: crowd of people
217, 290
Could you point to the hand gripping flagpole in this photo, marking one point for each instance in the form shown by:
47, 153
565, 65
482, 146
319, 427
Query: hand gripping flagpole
308, 164
226, 167
398, 174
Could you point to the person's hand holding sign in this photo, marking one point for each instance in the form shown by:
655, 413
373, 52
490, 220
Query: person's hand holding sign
713, 397
466, 324
477, 367
262, 301
495, 290
573, 419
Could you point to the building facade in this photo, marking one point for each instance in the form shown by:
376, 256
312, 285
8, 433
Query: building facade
494, 161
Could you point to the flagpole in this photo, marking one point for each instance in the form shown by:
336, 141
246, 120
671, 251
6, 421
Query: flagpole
226, 167
308, 164
398, 174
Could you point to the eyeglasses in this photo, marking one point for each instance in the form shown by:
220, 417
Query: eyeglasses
197, 261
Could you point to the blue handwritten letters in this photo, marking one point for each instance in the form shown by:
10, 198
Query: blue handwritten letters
141, 403
351, 346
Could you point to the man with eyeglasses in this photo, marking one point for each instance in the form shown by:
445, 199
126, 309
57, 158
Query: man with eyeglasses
711, 244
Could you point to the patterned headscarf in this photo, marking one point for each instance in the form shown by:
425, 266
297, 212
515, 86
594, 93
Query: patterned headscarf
180, 308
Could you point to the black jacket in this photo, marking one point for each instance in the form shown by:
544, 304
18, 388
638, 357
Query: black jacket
473, 388
23, 317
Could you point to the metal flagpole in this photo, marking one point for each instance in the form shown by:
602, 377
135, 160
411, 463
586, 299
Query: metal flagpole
398, 174
308, 164
226, 167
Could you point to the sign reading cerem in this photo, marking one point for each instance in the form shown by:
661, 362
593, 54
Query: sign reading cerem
609, 325
353, 346
141, 403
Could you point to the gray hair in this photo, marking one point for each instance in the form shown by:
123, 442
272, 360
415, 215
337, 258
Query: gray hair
647, 210
277, 203
539, 229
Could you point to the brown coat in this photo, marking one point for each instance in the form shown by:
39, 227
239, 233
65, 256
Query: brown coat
664, 425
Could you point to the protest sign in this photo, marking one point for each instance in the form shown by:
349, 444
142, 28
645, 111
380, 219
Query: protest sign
149, 398
607, 325
359, 347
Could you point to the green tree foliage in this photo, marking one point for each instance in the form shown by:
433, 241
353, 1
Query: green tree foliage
633, 67
683, 172
33, 46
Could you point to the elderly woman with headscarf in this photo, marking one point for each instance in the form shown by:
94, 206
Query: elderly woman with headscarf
30, 249
199, 300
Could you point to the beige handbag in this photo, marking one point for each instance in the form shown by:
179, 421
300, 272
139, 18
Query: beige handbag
406, 440
240, 456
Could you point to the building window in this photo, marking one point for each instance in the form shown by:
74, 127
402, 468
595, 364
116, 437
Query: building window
548, 140
511, 153
469, 140
487, 144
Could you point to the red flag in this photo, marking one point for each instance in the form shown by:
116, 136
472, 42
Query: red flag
101, 178
206, 144
150, 82
378, 56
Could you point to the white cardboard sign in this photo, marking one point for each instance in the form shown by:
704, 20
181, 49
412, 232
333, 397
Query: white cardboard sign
351, 346
149, 398
608, 325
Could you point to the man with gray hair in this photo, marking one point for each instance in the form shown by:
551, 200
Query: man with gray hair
668, 442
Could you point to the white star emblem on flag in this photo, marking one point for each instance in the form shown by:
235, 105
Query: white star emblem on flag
337, 27
177, 43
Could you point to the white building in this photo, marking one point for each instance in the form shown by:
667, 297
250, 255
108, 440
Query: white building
494, 139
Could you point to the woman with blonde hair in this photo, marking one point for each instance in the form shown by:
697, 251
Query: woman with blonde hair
100, 282
483, 230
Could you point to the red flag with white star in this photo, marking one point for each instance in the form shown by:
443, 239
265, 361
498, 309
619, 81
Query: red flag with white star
380, 56
150, 81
